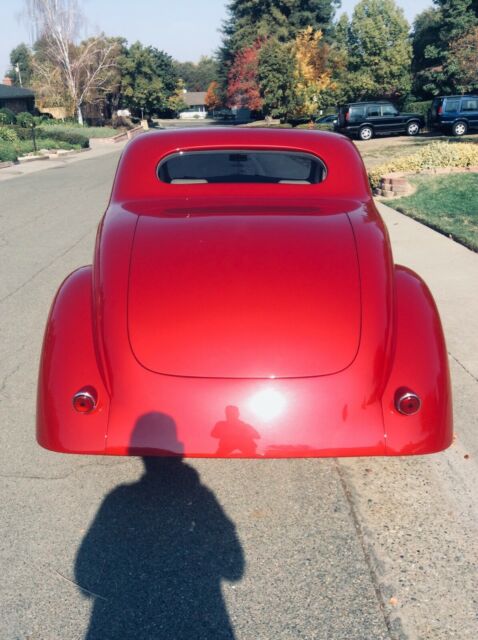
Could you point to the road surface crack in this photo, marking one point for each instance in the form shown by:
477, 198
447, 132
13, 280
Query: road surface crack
45, 267
463, 367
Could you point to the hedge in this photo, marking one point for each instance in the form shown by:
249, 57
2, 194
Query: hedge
434, 155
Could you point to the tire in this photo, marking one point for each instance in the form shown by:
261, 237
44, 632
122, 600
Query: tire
413, 128
459, 128
365, 133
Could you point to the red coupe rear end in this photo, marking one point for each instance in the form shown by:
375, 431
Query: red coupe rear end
243, 302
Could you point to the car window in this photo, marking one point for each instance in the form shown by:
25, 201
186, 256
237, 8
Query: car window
469, 104
373, 110
388, 110
241, 166
451, 105
356, 113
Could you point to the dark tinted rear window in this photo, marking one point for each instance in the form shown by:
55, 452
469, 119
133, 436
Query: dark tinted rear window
241, 166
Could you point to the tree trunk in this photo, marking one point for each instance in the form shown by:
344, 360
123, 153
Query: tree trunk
80, 115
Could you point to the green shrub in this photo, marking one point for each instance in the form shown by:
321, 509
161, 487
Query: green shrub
25, 119
7, 116
321, 126
21, 132
422, 108
435, 155
8, 134
7, 152
72, 137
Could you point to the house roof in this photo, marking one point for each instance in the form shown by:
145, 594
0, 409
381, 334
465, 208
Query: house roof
193, 98
14, 92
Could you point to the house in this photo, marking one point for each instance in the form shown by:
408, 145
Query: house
17, 99
196, 100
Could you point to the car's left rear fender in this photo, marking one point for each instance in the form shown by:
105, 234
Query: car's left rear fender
68, 363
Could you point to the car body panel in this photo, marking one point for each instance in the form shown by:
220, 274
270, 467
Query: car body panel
193, 312
235, 407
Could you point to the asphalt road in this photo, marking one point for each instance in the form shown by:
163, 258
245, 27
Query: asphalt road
364, 549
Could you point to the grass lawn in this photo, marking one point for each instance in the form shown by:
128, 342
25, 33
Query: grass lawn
447, 203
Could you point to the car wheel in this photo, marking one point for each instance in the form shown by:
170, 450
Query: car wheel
366, 133
459, 129
413, 128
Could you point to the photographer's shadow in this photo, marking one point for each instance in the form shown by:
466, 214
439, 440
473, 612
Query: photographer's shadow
156, 553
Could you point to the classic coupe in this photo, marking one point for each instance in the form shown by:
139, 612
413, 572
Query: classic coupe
243, 302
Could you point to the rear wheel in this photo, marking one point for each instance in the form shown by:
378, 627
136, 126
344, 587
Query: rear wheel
366, 133
413, 128
459, 128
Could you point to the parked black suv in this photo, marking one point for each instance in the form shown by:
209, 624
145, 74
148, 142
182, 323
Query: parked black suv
366, 119
456, 114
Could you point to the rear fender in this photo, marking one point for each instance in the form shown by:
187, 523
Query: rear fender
68, 364
420, 364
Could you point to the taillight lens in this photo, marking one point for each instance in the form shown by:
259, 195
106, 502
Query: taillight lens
347, 115
407, 402
440, 110
84, 401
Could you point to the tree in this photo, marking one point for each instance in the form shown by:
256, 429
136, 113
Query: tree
250, 20
276, 77
82, 68
380, 50
312, 75
213, 99
22, 66
427, 58
149, 81
197, 76
243, 85
462, 64
434, 31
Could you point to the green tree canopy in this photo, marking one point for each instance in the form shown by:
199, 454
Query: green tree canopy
434, 31
148, 79
197, 76
276, 77
21, 59
379, 50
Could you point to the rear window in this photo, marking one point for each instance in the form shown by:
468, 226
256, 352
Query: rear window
190, 167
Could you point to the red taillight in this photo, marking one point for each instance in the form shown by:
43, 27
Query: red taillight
84, 401
440, 110
407, 402
347, 116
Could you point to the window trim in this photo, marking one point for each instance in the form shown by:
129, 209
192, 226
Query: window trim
195, 181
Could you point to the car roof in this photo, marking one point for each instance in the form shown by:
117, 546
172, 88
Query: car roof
367, 102
137, 172
466, 95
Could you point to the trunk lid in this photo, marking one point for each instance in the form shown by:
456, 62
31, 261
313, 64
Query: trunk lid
244, 296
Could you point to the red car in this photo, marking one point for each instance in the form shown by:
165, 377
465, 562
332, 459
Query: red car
243, 302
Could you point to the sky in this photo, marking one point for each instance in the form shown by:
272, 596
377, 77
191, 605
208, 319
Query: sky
186, 29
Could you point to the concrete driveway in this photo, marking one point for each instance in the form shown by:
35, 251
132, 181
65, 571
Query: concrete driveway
365, 549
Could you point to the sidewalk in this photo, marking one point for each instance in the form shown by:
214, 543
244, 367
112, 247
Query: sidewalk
451, 272
18, 170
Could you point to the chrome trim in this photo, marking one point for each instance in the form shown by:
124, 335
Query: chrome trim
406, 396
84, 394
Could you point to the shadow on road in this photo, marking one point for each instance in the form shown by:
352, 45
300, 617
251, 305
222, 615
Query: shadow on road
155, 555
